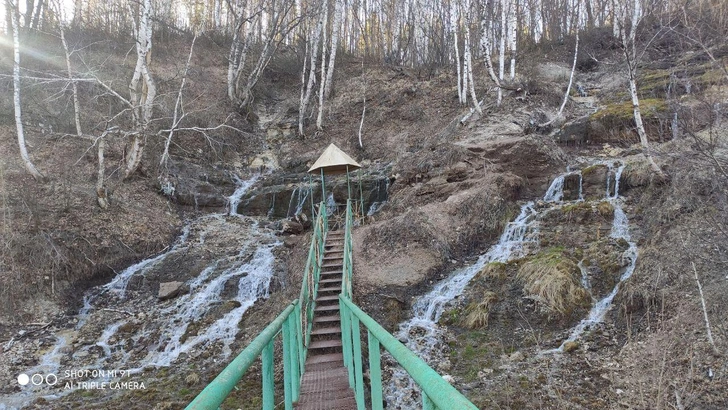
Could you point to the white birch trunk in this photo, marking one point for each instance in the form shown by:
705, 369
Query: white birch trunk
322, 85
487, 46
512, 22
469, 62
74, 84
303, 107
32, 170
457, 64
502, 50
142, 89
338, 11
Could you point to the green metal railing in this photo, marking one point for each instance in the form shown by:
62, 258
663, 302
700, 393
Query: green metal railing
346, 283
436, 392
287, 323
312, 273
295, 323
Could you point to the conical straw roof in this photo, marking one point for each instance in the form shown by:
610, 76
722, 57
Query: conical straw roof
334, 161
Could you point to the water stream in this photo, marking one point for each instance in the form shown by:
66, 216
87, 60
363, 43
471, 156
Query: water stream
203, 320
423, 335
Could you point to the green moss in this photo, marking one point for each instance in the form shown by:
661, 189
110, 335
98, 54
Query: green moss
577, 207
614, 114
590, 169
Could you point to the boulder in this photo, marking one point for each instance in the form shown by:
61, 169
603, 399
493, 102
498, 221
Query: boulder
169, 290
291, 227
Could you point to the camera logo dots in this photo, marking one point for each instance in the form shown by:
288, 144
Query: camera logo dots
38, 379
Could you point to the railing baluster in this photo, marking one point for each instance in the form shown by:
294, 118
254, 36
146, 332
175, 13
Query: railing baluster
287, 368
346, 341
375, 371
295, 366
359, 372
268, 380
427, 403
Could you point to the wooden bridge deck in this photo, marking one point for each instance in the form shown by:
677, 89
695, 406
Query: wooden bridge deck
325, 383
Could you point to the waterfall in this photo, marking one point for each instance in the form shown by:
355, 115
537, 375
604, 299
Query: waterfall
161, 331
556, 190
242, 187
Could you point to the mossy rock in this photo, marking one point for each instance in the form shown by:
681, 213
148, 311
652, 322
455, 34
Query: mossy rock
615, 122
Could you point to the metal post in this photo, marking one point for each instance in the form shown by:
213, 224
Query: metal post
361, 195
358, 371
375, 372
310, 195
348, 185
268, 380
323, 189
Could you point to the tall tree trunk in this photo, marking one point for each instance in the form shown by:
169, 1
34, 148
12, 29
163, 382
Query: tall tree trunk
468, 59
502, 49
12, 8
512, 22
74, 83
142, 89
322, 85
303, 107
338, 11
487, 45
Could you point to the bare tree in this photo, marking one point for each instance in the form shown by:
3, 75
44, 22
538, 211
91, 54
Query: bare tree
142, 89
12, 8
628, 15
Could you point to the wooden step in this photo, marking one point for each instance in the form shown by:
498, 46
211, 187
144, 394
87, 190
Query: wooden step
327, 308
325, 358
332, 289
327, 298
332, 265
329, 281
333, 258
326, 331
324, 344
332, 272
327, 319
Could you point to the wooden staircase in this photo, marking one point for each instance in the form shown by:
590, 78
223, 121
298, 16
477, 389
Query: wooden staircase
325, 383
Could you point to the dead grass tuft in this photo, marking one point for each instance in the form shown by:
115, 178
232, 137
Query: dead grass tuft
477, 313
552, 279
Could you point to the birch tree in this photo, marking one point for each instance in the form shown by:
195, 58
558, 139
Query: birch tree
308, 86
12, 8
142, 89
322, 84
487, 47
628, 15
468, 63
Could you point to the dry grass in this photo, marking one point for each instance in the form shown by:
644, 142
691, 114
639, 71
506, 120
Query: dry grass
476, 314
552, 279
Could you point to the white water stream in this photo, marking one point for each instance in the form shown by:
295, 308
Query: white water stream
162, 332
422, 334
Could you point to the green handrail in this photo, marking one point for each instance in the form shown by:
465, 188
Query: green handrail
295, 323
346, 283
436, 392
311, 274
217, 391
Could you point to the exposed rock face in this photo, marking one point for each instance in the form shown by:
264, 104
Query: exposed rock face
169, 290
289, 195
201, 186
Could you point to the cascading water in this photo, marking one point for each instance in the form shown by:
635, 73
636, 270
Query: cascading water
242, 187
422, 335
161, 332
620, 230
